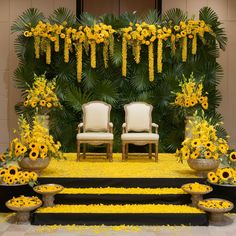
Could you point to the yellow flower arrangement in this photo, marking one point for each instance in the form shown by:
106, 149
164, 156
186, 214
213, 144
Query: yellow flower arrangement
215, 204
13, 175
204, 143
23, 201
48, 188
196, 187
191, 94
33, 142
45, 33
224, 175
42, 95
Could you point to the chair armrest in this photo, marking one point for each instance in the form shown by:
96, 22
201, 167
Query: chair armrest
80, 126
110, 127
124, 128
156, 127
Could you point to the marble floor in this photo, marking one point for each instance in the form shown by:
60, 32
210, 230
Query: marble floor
7, 228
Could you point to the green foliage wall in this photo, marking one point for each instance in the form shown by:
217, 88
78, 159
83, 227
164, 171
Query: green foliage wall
109, 86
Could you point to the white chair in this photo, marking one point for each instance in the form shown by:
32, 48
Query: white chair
96, 128
137, 128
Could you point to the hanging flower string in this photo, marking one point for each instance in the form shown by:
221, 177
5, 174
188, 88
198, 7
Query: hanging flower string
134, 36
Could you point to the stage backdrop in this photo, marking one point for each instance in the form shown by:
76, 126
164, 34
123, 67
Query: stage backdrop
108, 84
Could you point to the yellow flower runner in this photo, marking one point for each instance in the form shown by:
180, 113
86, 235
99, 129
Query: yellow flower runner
146, 208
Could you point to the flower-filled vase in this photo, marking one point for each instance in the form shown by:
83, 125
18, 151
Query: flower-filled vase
203, 166
34, 165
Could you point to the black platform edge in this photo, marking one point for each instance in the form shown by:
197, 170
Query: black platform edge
120, 182
119, 219
122, 199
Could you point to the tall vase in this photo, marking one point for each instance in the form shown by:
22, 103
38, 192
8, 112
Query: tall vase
44, 120
187, 131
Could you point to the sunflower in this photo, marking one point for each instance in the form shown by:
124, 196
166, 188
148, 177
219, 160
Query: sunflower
12, 170
210, 174
22, 181
2, 158
195, 154
23, 150
33, 155
33, 176
195, 142
232, 156
207, 154
33, 146
213, 179
43, 148
223, 148
205, 105
3, 172
225, 174
42, 103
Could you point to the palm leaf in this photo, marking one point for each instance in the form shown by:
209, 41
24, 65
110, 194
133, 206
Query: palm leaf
27, 20
174, 15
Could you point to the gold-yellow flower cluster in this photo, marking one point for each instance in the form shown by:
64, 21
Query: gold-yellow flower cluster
24, 201
48, 188
191, 93
42, 95
196, 187
84, 36
215, 204
12, 175
225, 175
204, 143
33, 142
137, 34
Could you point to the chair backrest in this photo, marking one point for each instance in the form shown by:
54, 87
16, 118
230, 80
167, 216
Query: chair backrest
138, 116
96, 116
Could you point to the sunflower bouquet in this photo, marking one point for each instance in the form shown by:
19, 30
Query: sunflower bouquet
42, 95
33, 141
226, 175
204, 143
191, 95
13, 175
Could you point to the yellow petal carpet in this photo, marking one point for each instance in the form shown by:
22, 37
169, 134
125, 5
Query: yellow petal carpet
135, 167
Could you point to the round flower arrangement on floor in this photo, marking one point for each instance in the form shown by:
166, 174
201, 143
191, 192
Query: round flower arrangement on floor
196, 187
48, 188
216, 204
12, 175
223, 176
24, 201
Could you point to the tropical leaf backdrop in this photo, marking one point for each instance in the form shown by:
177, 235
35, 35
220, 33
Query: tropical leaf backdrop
108, 85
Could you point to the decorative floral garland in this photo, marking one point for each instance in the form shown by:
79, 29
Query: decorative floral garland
84, 36
135, 35
145, 34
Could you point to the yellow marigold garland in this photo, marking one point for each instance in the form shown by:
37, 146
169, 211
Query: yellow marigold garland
151, 61
184, 49
93, 54
159, 55
48, 52
194, 44
57, 44
79, 55
37, 46
124, 56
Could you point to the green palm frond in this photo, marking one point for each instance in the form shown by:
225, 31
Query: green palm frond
61, 16
27, 20
174, 15
87, 19
152, 17
211, 18
75, 98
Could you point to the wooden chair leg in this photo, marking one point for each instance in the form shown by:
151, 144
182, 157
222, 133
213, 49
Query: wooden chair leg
156, 151
150, 150
78, 150
84, 150
123, 151
110, 151
126, 150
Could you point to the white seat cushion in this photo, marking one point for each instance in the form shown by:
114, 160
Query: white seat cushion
94, 136
140, 136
